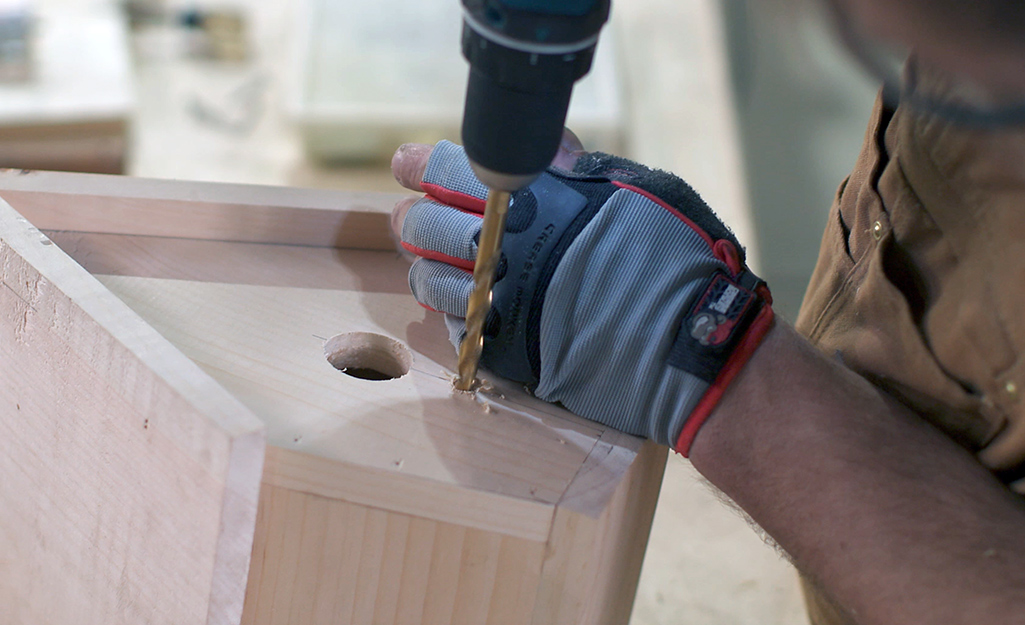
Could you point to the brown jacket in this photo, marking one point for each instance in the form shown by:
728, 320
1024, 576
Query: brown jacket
920, 284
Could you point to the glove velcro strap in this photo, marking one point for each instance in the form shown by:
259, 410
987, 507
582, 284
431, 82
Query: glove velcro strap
751, 332
709, 333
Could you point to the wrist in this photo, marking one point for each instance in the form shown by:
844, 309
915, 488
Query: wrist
732, 428
791, 416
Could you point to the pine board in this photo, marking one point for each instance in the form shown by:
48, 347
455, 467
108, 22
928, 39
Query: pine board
129, 477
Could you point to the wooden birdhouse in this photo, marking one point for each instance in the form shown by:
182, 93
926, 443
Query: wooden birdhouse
220, 404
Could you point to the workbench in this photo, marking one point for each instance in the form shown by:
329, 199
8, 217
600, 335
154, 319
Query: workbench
73, 110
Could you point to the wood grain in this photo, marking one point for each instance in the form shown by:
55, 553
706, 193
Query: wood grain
129, 478
335, 561
383, 567
264, 264
195, 210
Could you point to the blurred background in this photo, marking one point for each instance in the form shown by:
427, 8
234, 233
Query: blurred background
751, 101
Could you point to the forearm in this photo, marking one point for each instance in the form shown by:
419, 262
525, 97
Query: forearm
892, 518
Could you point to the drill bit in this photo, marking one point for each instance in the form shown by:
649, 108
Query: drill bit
489, 252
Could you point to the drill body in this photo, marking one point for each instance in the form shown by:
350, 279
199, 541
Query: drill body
524, 57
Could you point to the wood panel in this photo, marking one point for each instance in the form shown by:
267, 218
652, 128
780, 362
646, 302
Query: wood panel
595, 550
328, 561
207, 211
339, 562
265, 264
621, 537
128, 477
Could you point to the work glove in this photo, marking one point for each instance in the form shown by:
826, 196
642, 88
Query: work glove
619, 293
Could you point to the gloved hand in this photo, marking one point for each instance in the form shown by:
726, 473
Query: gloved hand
620, 294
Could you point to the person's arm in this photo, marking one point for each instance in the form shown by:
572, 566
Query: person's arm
885, 513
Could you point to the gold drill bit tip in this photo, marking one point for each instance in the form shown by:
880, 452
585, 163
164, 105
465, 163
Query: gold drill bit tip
489, 252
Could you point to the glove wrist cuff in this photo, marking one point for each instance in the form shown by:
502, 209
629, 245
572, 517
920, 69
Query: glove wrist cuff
745, 348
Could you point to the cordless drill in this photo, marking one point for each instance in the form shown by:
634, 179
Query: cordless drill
524, 57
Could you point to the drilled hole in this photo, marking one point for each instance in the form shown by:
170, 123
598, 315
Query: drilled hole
368, 356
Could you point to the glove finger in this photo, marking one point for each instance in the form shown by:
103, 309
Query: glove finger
449, 178
440, 286
456, 330
433, 230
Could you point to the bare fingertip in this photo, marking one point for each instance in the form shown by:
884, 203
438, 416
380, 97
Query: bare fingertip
398, 214
570, 150
408, 164
571, 142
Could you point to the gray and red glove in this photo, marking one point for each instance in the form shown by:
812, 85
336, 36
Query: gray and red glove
619, 294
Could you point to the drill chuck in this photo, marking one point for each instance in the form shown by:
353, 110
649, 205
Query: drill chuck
524, 57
